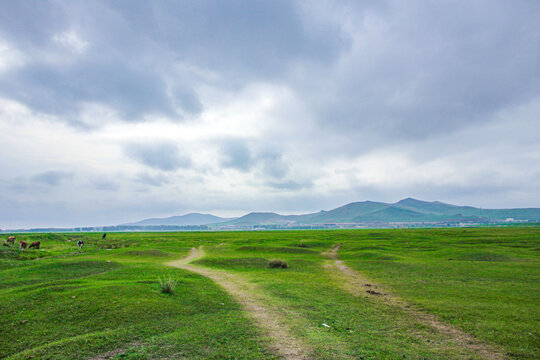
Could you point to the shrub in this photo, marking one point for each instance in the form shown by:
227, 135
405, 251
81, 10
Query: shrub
276, 263
167, 285
302, 245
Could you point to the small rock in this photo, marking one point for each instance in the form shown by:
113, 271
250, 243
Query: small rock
325, 325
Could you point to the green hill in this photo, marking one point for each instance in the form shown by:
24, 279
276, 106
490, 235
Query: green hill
188, 219
346, 213
407, 210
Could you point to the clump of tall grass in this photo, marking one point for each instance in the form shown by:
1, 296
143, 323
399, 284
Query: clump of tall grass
167, 285
276, 263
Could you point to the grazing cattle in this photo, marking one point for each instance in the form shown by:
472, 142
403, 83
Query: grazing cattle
22, 245
80, 244
11, 240
35, 245
104, 236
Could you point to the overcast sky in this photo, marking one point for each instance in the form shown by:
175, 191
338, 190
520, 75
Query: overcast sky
113, 111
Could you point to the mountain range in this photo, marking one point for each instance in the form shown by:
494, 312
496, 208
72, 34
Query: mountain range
368, 212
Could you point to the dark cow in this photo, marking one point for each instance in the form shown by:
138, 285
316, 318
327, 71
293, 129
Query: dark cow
22, 245
11, 240
35, 245
104, 236
80, 244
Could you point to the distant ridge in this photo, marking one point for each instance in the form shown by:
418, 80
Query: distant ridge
260, 218
408, 212
182, 220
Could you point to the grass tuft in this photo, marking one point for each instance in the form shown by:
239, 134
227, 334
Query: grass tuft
276, 263
167, 285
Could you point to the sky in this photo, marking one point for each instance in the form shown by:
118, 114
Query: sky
115, 111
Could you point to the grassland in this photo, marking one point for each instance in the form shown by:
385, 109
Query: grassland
105, 300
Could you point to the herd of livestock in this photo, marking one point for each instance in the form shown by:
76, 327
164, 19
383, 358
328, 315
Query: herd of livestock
23, 245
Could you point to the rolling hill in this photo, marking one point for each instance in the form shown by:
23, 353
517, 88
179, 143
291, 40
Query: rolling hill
406, 210
261, 218
188, 219
367, 212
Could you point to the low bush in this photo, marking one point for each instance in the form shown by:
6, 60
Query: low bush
276, 263
167, 285
302, 245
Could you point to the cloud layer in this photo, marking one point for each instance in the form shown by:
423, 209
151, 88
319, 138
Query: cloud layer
111, 111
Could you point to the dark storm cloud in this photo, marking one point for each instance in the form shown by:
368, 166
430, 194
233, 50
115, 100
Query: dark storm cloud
124, 54
425, 68
236, 154
31, 23
107, 70
273, 165
247, 155
62, 90
241, 38
52, 178
162, 156
384, 70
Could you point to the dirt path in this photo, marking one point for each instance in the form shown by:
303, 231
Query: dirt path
359, 285
269, 318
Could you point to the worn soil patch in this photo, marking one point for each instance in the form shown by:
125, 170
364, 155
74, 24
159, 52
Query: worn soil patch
269, 319
359, 285
111, 354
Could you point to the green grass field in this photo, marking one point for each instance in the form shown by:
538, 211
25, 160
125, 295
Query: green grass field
105, 300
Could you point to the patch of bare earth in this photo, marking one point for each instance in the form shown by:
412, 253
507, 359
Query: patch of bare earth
111, 354
358, 285
268, 318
